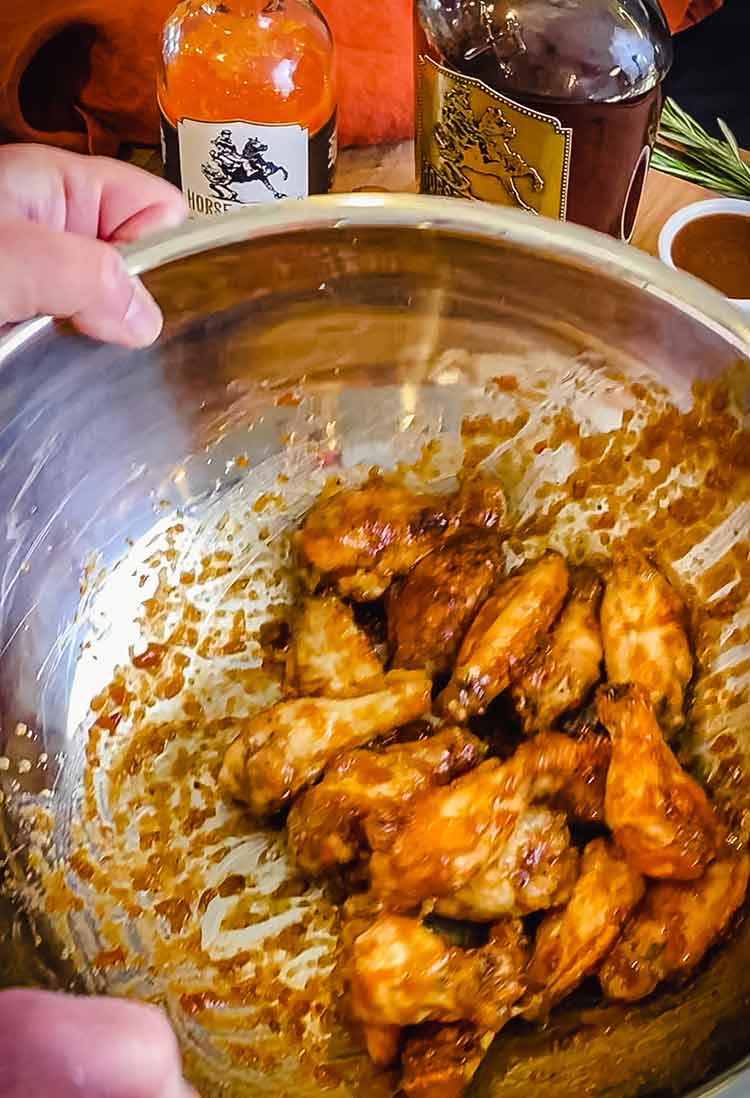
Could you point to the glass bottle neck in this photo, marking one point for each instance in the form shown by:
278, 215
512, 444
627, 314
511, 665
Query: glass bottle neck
227, 7
571, 50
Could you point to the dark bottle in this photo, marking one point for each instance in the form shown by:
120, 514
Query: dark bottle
551, 106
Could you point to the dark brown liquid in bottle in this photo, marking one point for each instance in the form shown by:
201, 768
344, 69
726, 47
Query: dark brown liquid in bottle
611, 148
592, 65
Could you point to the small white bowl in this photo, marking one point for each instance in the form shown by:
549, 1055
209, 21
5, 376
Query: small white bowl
691, 213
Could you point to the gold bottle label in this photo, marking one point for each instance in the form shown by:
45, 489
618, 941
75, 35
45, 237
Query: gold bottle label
473, 142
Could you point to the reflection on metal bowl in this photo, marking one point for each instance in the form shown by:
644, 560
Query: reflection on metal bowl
146, 500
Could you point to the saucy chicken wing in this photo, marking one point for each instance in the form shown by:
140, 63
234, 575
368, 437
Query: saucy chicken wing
568, 772
329, 654
362, 537
536, 869
567, 666
326, 825
571, 944
645, 638
431, 611
673, 929
401, 973
440, 1061
658, 814
450, 834
285, 748
505, 632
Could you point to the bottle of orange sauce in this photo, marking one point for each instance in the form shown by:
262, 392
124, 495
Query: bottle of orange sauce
247, 95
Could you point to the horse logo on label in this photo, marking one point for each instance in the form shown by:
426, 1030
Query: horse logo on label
229, 168
468, 148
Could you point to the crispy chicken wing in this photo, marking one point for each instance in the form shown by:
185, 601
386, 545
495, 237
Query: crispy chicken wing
401, 973
363, 537
326, 825
536, 869
448, 836
569, 772
285, 748
659, 815
329, 654
673, 929
645, 638
451, 834
505, 632
572, 943
562, 673
430, 613
440, 1061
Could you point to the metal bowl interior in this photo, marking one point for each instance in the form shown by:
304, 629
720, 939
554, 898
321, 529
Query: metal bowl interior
357, 325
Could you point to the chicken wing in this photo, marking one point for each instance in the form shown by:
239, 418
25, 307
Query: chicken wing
401, 973
440, 1061
429, 615
568, 772
571, 944
451, 834
673, 929
448, 836
285, 748
329, 654
326, 825
536, 869
505, 632
659, 816
645, 638
363, 537
561, 675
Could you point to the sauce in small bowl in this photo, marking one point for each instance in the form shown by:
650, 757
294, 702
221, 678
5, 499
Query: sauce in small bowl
711, 240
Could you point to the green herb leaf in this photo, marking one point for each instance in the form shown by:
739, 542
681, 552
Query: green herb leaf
684, 149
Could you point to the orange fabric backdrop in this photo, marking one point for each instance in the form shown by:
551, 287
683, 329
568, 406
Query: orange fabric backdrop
683, 13
81, 73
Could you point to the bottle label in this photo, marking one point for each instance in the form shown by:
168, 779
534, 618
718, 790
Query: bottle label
221, 166
473, 142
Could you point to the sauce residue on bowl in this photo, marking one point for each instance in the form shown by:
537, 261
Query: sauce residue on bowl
716, 248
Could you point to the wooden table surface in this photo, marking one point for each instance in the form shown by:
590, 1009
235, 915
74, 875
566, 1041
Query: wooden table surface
392, 168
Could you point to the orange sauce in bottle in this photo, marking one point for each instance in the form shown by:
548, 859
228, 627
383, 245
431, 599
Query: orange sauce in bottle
247, 93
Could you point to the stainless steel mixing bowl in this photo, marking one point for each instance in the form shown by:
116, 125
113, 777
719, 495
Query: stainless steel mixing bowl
343, 297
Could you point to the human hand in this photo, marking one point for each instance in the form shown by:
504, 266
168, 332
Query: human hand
60, 1046
60, 215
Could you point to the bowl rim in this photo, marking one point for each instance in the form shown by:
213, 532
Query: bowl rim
694, 212
732, 1084
452, 216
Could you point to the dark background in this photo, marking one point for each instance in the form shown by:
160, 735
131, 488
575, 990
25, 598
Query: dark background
711, 73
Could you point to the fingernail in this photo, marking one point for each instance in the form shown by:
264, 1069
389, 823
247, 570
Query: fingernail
143, 319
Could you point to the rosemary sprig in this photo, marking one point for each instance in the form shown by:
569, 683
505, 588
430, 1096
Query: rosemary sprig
683, 148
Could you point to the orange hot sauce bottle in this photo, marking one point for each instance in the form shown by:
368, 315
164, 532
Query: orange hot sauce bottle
247, 95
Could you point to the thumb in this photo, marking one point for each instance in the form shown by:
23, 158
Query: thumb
72, 277
67, 1047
